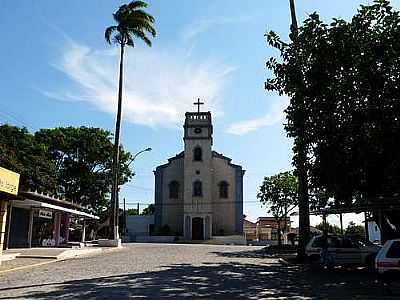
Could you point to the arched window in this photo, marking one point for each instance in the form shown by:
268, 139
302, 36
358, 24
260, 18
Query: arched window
174, 189
197, 154
197, 189
223, 189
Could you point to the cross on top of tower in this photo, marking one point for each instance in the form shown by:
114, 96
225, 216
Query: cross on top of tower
198, 103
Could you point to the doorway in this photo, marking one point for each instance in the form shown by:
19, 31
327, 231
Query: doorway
197, 229
19, 228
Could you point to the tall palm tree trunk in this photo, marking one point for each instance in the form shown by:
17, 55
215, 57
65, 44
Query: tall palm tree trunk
115, 162
293, 16
301, 165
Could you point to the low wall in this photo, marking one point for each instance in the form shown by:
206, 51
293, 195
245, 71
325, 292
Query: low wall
139, 225
228, 240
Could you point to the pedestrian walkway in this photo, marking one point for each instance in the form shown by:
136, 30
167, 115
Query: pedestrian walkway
16, 259
52, 253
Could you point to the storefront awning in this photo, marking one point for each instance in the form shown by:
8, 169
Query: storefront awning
37, 204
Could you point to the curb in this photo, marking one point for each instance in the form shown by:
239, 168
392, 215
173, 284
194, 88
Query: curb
54, 259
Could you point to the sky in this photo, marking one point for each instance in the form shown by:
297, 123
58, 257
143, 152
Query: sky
57, 70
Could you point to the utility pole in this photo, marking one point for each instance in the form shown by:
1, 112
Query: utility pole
138, 212
114, 218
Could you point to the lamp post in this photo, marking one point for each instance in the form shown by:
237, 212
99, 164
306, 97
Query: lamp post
137, 154
129, 163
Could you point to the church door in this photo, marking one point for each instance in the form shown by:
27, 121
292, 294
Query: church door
197, 229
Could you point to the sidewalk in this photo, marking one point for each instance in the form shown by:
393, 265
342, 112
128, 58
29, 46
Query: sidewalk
16, 259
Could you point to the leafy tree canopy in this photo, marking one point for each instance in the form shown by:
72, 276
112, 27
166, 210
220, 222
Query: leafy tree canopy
71, 162
83, 158
22, 153
343, 80
280, 194
132, 212
355, 230
149, 210
331, 228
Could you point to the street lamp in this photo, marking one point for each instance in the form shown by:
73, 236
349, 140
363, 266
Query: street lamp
136, 155
131, 161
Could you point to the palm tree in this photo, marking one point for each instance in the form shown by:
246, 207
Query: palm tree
301, 165
132, 23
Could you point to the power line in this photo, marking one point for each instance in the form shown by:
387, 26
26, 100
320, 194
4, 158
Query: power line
130, 202
128, 185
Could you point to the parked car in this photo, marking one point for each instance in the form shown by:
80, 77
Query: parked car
387, 261
341, 250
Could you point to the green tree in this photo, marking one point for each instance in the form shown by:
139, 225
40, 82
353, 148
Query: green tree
132, 212
330, 228
343, 80
82, 157
21, 153
280, 193
132, 23
355, 230
149, 210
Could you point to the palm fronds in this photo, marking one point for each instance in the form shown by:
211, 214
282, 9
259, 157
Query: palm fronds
132, 23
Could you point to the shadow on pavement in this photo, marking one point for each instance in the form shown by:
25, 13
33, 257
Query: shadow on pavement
211, 281
261, 253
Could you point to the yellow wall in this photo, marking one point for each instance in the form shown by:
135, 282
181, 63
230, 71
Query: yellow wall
9, 181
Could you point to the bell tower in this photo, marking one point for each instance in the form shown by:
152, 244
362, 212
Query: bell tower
197, 138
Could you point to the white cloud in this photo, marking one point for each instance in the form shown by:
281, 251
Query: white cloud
200, 26
275, 115
159, 86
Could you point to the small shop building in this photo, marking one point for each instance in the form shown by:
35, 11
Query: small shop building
39, 220
9, 184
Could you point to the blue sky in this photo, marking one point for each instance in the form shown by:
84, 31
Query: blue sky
57, 70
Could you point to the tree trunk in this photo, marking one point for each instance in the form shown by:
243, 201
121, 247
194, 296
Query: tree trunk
301, 165
279, 234
304, 206
115, 162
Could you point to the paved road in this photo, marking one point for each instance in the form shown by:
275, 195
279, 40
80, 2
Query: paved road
153, 271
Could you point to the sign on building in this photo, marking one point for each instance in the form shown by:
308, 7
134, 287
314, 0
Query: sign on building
46, 214
9, 181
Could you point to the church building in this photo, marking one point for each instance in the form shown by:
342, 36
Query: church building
199, 192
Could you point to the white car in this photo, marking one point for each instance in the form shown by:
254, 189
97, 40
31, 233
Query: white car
387, 260
342, 251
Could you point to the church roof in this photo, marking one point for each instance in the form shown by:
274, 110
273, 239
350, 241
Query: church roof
214, 154
178, 156
229, 160
219, 155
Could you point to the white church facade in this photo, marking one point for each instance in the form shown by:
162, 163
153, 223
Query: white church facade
199, 192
